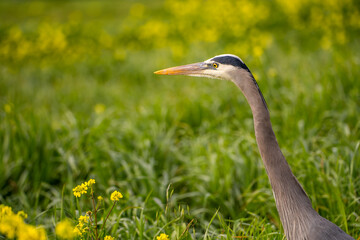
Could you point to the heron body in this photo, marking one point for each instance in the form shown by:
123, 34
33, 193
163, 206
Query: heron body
300, 221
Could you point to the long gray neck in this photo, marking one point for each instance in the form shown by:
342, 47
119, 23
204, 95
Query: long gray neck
293, 204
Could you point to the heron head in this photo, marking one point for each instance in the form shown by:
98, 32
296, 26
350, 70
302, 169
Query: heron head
220, 67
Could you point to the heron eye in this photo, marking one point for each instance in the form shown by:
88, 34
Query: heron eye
215, 65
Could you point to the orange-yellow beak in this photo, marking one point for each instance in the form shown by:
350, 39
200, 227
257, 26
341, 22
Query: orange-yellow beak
190, 69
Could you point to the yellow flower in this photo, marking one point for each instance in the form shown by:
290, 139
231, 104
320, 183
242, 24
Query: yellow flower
100, 198
5, 211
10, 224
80, 189
99, 108
22, 214
13, 226
7, 108
91, 182
109, 238
84, 219
258, 51
82, 225
77, 231
64, 230
28, 232
115, 196
163, 236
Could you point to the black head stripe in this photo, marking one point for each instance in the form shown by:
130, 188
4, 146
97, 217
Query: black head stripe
235, 61
230, 60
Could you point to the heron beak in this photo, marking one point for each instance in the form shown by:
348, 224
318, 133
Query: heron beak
190, 69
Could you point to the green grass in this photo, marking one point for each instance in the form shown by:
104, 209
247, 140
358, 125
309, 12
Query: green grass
181, 150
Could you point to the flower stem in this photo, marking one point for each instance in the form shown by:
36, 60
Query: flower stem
102, 227
78, 206
95, 211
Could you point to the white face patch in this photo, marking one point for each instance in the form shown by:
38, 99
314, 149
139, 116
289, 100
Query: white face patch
223, 71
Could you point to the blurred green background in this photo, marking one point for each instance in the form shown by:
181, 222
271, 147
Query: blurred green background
78, 99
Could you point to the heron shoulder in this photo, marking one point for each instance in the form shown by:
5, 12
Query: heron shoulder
324, 229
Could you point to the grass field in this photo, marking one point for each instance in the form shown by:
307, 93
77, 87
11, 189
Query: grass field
79, 100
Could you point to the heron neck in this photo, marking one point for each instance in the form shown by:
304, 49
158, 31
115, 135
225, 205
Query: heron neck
293, 204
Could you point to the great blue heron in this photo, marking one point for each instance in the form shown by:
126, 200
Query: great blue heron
299, 219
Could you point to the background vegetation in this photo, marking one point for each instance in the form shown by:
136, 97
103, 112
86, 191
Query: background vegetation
78, 100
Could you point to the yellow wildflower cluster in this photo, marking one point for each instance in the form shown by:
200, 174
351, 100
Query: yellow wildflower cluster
241, 27
231, 22
86, 224
13, 226
50, 38
4, 211
163, 236
65, 230
82, 188
116, 196
91, 182
82, 226
325, 17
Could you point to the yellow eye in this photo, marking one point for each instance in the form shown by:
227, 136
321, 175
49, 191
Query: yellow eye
215, 65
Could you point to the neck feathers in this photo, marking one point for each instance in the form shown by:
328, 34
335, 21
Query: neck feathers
293, 204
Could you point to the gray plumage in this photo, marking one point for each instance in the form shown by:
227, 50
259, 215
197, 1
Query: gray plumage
300, 221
